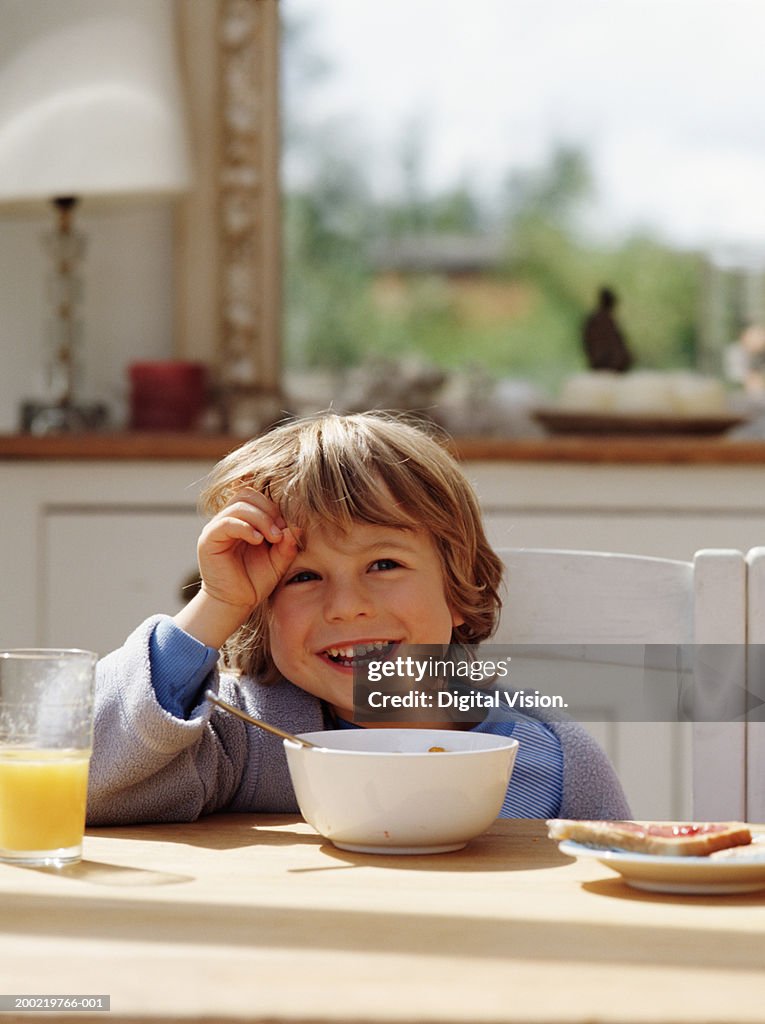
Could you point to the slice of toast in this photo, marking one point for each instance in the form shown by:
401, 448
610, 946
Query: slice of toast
669, 839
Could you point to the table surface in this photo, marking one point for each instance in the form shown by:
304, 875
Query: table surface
252, 917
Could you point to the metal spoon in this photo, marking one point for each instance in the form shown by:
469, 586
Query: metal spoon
209, 695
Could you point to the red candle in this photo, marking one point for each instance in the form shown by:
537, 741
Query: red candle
168, 395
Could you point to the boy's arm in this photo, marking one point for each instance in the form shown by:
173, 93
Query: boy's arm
173, 759
211, 621
591, 787
149, 764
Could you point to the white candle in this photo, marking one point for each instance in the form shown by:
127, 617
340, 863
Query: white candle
589, 392
695, 395
644, 392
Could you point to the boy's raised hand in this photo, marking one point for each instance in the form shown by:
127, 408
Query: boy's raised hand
243, 552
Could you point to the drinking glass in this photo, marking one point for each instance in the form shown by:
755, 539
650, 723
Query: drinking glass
46, 732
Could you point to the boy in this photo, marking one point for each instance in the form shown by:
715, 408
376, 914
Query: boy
329, 537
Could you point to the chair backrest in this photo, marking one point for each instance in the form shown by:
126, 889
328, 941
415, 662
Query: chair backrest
594, 598
755, 730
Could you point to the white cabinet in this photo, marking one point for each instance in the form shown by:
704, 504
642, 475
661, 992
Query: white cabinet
104, 571
89, 549
669, 511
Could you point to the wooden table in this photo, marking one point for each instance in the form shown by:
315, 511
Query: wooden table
255, 918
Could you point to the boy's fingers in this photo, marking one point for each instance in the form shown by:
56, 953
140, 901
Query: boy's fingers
283, 553
253, 514
253, 497
233, 528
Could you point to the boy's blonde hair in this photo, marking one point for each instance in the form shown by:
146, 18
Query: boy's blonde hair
343, 469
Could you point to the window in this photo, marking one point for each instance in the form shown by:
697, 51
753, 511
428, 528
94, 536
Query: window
459, 180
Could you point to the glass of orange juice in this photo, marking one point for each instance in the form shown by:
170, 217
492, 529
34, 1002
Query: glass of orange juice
46, 730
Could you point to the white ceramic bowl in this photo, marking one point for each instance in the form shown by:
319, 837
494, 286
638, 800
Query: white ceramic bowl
382, 791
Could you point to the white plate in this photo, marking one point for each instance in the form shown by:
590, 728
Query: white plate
741, 869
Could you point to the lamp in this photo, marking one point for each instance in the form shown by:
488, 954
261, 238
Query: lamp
90, 106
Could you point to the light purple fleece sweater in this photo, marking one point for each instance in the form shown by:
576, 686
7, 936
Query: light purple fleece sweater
149, 766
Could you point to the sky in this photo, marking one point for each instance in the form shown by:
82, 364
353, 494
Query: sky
666, 96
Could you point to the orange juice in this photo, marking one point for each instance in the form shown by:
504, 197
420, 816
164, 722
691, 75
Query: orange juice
42, 799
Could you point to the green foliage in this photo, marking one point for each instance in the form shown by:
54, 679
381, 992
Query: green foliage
333, 319
550, 194
658, 288
661, 289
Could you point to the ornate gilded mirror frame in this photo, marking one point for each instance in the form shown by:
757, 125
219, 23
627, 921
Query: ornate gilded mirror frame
228, 230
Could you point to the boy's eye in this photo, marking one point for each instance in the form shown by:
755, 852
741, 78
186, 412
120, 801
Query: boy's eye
302, 577
385, 563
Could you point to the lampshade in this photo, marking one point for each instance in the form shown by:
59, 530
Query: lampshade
90, 100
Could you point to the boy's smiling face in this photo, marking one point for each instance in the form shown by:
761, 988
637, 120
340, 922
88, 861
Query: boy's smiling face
371, 585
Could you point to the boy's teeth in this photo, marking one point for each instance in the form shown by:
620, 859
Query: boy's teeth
358, 650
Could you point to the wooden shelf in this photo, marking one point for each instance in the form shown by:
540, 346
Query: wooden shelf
123, 446
210, 448
614, 450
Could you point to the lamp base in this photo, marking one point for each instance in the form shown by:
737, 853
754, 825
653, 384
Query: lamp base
39, 417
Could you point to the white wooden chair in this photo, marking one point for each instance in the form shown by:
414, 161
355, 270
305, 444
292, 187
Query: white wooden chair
596, 598
755, 730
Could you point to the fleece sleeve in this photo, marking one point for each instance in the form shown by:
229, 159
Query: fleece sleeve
148, 764
591, 788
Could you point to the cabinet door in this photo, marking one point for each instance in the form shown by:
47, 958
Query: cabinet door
104, 571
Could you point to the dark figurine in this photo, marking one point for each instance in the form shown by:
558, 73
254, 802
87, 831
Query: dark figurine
604, 343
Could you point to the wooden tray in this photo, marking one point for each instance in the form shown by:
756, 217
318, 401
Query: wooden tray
569, 421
